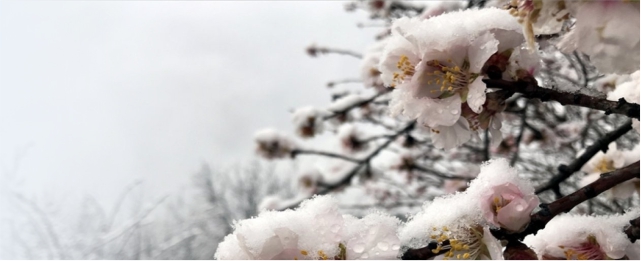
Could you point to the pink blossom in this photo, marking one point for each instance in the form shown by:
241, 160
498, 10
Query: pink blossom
506, 206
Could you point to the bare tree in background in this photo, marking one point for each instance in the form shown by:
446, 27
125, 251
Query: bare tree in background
188, 225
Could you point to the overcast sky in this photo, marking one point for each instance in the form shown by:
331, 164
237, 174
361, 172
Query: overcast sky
94, 95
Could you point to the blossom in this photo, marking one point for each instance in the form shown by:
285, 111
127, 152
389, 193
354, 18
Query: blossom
506, 206
370, 74
609, 82
316, 230
351, 138
604, 162
308, 181
607, 31
583, 237
538, 17
308, 121
505, 200
458, 223
611, 160
438, 74
272, 144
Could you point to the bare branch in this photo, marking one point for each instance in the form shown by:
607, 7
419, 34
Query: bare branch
531, 90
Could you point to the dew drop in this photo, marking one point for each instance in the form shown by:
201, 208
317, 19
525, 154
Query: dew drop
359, 248
454, 111
383, 246
439, 110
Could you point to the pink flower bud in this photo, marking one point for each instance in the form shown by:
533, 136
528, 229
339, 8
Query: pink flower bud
505, 206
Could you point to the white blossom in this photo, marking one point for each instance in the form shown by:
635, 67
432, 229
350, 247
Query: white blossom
612, 160
370, 74
583, 237
437, 66
272, 144
607, 31
308, 121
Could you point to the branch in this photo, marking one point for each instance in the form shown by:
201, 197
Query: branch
565, 204
601, 144
633, 230
532, 90
361, 163
519, 138
358, 104
296, 152
314, 50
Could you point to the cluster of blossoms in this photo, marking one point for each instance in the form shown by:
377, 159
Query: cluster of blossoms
437, 65
497, 198
458, 224
316, 230
429, 72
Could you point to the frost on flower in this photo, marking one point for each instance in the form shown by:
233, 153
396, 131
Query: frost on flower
437, 66
611, 160
584, 237
455, 219
607, 31
272, 144
630, 92
372, 237
308, 121
506, 200
316, 230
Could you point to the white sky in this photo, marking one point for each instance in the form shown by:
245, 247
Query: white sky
94, 95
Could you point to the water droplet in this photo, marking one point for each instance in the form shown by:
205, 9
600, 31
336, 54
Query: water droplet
383, 246
364, 256
396, 247
439, 110
359, 248
454, 111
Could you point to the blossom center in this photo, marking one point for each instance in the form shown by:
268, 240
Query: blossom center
406, 70
499, 202
464, 243
589, 250
605, 165
450, 77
